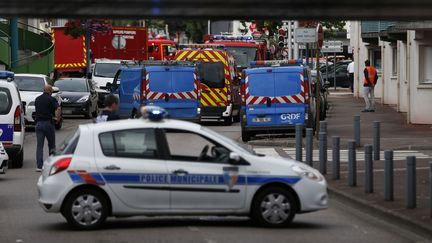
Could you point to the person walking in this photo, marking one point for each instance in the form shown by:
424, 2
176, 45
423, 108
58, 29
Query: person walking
111, 106
47, 114
350, 70
370, 80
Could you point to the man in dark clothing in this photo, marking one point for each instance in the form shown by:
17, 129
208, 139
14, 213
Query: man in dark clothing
370, 80
47, 113
111, 106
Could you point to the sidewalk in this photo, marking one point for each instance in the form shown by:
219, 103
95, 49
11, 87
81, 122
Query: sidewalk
396, 134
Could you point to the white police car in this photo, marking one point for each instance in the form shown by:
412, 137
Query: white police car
159, 166
11, 119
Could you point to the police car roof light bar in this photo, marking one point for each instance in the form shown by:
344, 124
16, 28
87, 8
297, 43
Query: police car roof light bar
291, 62
7, 75
153, 113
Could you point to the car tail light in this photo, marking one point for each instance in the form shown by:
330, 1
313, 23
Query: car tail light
243, 96
60, 165
17, 119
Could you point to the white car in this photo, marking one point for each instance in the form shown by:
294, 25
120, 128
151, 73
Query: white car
31, 86
4, 158
145, 167
104, 71
11, 119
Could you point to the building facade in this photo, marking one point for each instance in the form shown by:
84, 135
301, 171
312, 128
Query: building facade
402, 54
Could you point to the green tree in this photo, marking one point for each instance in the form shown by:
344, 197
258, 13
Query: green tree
195, 30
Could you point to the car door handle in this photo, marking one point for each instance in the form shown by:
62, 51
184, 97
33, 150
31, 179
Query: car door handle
112, 167
180, 172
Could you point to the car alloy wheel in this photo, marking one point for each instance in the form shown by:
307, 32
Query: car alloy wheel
275, 208
87, 210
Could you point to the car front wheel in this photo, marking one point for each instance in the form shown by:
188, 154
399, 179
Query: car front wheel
86, 209
274, 207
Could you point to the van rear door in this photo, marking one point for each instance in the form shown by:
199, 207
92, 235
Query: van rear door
175, 89
130, 82
289, 97
259, 92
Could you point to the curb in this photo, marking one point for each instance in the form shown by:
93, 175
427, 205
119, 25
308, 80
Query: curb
414, 147
384, 213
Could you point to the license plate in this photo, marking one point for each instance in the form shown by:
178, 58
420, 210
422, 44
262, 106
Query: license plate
65, 111
261, 119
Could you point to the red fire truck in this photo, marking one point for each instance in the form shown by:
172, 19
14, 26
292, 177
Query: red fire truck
124, 43
161, 49
244, 48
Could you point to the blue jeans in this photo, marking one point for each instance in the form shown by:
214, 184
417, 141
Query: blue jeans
44, 129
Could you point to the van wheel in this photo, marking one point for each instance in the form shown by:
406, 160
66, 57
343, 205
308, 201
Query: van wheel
228, 121
17, 161
86, 209
274, 207
245, 136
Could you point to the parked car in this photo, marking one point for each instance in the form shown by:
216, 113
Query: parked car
324, 106
79, 97
4, 159
342, 78
11, 119
30, 87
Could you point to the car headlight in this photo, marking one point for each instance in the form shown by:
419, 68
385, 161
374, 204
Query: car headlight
308, 172
83, 99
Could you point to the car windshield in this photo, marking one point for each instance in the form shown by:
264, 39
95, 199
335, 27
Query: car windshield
243, 55
212, 74
243, 147
30, 83
106, 70
72, 85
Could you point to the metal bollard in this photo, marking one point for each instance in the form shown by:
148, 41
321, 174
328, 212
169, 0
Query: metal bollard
323, 153
323, 126
368, 169
357, 129
309, 146
388, 175
430, 188
376, 140
299, 141
336, 158
352, 164
411, 182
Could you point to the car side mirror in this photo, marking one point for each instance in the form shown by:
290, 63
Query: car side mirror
55, 89
234, 157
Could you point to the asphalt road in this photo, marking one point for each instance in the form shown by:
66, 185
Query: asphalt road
22, 220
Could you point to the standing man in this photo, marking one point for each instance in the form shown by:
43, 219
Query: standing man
350, 70
108, 114
47, 114
369, 83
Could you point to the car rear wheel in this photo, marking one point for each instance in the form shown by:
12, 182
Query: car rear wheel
246, 136
18, 159
274, 207
86, 209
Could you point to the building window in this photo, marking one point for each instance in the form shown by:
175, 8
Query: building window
425, 64
394, 61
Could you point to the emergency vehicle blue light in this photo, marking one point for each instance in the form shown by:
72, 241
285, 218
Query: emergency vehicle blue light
6, 74
153, 113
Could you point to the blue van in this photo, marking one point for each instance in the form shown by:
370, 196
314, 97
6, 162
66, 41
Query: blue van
274, 99
173, 87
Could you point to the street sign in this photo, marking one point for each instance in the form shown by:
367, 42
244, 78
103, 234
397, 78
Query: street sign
305, 35
332, 47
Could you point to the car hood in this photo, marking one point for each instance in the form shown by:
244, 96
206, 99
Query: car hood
29, 96
70, 97
271, 165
